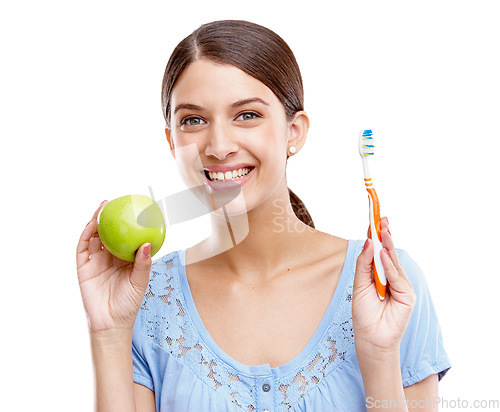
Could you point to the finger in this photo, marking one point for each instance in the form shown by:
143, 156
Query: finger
82, 252
388, 243
363, 277
95, 243
399, 285
384, 222
139, 277
82, 249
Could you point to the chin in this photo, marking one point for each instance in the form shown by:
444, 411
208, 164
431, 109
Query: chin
236, 207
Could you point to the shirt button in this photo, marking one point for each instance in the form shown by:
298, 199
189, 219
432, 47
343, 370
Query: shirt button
266, 388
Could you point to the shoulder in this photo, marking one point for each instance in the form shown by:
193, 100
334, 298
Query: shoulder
318, 245
414, 273
166, 264
162, 301
170, 259
164, 284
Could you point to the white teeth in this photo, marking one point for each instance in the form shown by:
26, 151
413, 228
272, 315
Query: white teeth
229, 175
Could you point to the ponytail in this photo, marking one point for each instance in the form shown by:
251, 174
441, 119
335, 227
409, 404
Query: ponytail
299, 209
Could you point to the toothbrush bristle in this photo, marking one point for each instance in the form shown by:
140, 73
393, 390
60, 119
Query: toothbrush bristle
367, 143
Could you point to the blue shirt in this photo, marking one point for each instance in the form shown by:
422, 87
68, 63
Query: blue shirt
175, 357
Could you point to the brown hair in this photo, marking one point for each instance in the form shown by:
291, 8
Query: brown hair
252, 48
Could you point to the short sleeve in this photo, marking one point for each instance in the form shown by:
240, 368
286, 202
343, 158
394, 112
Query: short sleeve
141, 371
422, 351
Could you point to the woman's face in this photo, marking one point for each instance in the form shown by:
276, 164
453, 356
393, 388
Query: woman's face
229, 131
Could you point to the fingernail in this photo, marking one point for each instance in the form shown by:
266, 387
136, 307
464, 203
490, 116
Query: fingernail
103, 202
88, 223
367, 242
147, 250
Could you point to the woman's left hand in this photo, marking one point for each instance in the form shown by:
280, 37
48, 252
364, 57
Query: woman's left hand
379, 325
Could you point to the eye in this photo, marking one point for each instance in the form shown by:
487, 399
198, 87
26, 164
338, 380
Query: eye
248, 116
192, 121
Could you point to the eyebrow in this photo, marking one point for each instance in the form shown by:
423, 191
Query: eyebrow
234, 105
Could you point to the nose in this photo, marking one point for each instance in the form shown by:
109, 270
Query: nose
221, 142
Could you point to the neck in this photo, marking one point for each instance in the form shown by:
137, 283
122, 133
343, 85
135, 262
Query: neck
255, 245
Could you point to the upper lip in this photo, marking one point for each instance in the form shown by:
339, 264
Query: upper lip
226, 168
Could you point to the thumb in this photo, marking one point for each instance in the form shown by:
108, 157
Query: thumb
142, 266
364, 266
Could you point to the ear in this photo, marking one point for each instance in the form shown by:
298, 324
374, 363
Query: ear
170, 141
297, 130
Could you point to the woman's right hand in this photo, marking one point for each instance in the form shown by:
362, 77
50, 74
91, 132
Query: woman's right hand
112, 289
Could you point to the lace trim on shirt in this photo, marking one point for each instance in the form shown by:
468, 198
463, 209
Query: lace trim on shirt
166, 323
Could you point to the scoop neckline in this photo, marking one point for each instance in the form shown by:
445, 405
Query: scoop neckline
265, 369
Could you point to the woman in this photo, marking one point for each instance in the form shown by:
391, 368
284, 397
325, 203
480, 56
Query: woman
262, 314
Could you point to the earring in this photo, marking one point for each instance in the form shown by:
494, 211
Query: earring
292, 149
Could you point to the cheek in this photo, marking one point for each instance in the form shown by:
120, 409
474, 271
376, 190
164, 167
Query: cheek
188, 163
271, 136
272, 147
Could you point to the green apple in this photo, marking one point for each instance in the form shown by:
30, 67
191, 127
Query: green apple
127, 222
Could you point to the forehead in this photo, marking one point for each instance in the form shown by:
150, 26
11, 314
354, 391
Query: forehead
205, 82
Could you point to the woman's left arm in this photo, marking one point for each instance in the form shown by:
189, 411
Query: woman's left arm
423, 396
379, 327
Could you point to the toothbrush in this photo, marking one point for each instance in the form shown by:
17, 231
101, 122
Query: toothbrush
367, 150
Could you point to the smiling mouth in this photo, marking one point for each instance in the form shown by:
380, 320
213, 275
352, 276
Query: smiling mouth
228, 176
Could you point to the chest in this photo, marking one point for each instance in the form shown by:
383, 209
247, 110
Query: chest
264, 324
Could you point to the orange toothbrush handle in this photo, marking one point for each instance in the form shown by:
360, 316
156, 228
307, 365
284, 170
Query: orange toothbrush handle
378, 270
376, 211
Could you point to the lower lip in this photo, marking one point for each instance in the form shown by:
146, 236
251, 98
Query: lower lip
230, 184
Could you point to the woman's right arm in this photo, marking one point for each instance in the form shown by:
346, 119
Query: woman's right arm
115, 389
112, 292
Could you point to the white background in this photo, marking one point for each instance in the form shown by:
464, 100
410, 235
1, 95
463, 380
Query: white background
81, 122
